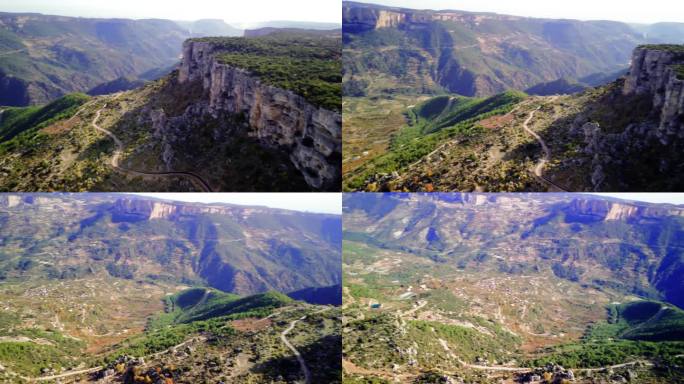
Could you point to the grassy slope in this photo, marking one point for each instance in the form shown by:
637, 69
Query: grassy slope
432, 123
28, 120
198, 310
635, 330
204, 303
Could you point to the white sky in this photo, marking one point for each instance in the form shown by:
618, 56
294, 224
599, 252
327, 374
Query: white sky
232, 11
309, 202
672, 198
640, 11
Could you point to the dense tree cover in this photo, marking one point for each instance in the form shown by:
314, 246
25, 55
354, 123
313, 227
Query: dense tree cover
636, 330
29, 358
309, 66
676, 48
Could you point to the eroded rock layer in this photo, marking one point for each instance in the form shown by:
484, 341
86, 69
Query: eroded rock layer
277, 117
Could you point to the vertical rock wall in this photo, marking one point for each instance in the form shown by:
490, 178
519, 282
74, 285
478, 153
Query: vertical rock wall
278, 118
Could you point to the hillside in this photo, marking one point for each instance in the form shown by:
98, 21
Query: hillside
120, 287
478, 54
608, 138
232, 248
241, 342
486, 287
233, 103
396, 58
43, 57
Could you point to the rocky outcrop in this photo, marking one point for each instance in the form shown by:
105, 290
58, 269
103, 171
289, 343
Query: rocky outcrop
278, 118
358, 17
638, 143
154, 209
652, 73
607, 210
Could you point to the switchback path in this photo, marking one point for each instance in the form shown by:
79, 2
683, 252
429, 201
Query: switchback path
115, 161
441, 148
300, 359
539, 168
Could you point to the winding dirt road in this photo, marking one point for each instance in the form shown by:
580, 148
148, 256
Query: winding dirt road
539, 168
115, 161
300, 359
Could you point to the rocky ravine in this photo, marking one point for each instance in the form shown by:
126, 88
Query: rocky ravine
278, 118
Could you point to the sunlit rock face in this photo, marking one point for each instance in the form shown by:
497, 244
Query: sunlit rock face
312, 136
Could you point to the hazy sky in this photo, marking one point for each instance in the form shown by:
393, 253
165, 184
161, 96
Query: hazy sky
622, 10
243, 11
672, 198
309, 202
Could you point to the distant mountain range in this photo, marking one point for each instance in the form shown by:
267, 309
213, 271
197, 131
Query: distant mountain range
520, 288
237, 249
632, 247
43, 57
397, 50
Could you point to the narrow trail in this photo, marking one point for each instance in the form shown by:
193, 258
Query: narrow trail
442, 147
300, 359
644, 362
416, 308
63, 375
539, 168
95, 369
115, 161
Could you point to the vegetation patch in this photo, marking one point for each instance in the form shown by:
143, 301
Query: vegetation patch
309, 66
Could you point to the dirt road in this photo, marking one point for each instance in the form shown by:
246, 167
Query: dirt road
539, 168
115, 161
300, 359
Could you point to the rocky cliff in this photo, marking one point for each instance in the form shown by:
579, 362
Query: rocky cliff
280, 119
633, 128
242, 249
653, 73
359, 17
607, 210
152, 209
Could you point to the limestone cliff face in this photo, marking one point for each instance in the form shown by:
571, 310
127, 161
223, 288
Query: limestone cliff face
613, 211
151, 209
652, 73
280, 119
362, 17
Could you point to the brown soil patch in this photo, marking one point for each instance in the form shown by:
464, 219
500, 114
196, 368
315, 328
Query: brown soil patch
62, 126
496, 121
250, 324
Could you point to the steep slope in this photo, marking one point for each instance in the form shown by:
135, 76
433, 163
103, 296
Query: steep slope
395, 58
617, 245
116, 288
477, 54
233, 103
244, 338
623, 136
487, 287
44, 57
232, 248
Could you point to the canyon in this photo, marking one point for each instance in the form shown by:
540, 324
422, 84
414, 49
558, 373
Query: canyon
268, 120
234, 248
491, 288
